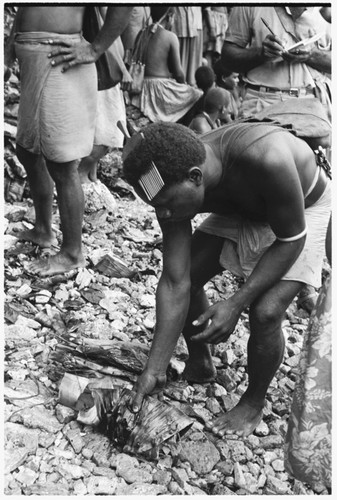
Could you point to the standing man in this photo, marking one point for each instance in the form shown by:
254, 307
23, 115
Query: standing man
57, 118
271, 208
255, 46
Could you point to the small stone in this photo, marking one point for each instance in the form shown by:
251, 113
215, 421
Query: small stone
213, 406
175, 489
65, 414
278, 465
226, 468
162, 477
219, 391
87, 453
143, 489
26, 476
262, 429
71, 471
180, 475
100, 485
275, 486
75, 439
239, 477
272, 441
80, 488
220, 489
239, 452
262, 479
269, 457
46, 489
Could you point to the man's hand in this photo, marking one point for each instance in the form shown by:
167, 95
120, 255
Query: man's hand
297, 55
272, 47
147, 383
71, 54
126, 83
224, 316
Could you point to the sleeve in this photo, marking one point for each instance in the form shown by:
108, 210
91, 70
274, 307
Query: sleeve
239, 26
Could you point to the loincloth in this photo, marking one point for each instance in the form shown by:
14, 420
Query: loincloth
110, 109
57, 110
164, 99
246, 241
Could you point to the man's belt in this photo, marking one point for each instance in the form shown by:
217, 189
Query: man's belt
292, 91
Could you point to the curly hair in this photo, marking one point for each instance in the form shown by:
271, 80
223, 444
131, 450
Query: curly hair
173, 148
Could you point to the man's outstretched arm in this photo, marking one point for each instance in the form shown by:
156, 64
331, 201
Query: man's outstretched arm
172, 303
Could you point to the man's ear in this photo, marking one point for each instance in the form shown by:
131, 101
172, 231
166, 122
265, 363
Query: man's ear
195, 175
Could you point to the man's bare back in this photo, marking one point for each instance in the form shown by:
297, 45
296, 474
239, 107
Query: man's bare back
64, 20
163, 58
241, 188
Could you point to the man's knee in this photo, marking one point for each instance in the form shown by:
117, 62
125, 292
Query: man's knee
266, 312
62, 172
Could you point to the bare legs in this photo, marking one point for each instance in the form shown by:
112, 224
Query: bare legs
41, 190
205, 264
265, 345
71, 206
265, 354
87, 168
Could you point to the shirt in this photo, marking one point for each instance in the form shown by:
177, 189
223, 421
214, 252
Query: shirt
247, 30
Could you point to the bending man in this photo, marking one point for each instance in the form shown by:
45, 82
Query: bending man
270, 205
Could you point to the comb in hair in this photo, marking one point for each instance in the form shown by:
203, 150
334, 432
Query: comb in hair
151, 182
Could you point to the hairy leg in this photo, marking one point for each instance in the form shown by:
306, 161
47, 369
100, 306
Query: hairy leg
87, 168
71, 207
265, 354
205, 265
41, 190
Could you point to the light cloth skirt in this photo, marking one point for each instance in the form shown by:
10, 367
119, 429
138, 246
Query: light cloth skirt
246, 241
110, 109
57, 111
164, 99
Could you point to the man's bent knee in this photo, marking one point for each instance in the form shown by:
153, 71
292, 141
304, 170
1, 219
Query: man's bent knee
266, 313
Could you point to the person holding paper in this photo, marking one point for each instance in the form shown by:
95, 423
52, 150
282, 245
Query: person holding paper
256, 46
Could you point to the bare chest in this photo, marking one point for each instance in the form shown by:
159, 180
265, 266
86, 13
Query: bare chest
237, 196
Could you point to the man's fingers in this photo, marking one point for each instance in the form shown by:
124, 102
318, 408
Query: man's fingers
137, 402
203, 318
60, 44
204, 335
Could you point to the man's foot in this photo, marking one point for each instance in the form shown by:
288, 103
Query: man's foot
199, 368
42, 239
242, 420
56, 264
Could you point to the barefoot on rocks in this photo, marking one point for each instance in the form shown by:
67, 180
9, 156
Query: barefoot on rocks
55, 264
43, 240
242, 420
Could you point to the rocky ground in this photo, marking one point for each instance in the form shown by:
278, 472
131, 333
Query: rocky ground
48, 450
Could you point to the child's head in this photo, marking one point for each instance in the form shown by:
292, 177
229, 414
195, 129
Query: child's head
216, 99
204, 77
225, 78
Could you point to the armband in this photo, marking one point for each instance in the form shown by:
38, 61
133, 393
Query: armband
294, 238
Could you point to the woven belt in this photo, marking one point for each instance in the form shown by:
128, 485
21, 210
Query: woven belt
318, 189
292, 91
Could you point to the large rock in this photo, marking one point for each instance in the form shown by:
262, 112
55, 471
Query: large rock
202, 456
98, 197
